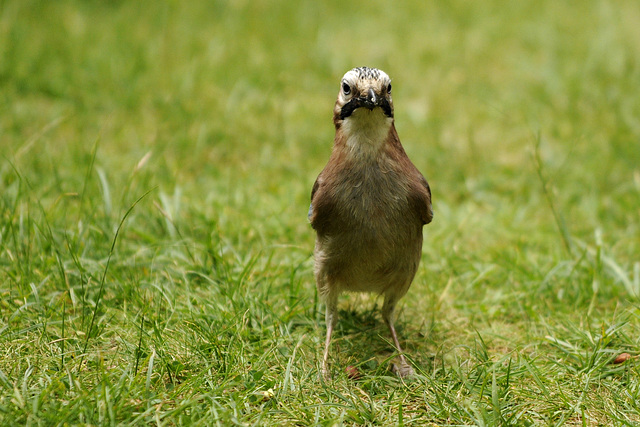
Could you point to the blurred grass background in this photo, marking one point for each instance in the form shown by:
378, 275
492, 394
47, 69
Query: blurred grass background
216, 118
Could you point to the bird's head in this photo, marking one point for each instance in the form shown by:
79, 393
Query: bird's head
365, 95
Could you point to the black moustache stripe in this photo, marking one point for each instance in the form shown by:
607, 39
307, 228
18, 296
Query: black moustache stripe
355, 103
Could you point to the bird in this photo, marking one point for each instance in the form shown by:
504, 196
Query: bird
368, 206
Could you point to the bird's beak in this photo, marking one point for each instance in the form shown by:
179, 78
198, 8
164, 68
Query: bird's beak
371, 100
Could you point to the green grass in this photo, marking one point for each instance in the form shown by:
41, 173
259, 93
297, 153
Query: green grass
155, 171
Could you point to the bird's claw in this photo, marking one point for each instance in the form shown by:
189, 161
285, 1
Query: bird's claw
325, 373
402, 369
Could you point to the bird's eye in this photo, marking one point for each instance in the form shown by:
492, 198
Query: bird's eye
346, 89
389, 88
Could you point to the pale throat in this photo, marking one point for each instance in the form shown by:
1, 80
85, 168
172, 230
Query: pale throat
366, 132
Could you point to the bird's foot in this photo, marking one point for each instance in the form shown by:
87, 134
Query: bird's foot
402, 369
325, 373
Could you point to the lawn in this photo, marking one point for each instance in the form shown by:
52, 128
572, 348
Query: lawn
156, 162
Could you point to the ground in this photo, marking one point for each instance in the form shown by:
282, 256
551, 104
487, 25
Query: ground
155, 257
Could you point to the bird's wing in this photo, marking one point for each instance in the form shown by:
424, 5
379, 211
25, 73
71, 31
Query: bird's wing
425, 208
313, 193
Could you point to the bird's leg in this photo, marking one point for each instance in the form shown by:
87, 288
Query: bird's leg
403, 369
331, 320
